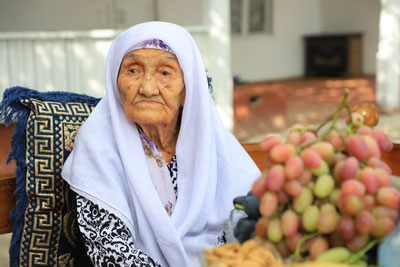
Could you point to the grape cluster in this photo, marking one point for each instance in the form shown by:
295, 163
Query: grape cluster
326, 190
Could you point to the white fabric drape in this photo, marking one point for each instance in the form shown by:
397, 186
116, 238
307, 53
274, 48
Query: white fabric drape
107, 164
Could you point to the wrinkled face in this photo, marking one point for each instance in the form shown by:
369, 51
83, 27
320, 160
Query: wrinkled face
151, 86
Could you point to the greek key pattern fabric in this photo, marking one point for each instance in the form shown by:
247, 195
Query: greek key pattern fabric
50, 228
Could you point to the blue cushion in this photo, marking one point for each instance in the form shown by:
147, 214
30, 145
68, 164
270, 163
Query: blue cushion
45, 231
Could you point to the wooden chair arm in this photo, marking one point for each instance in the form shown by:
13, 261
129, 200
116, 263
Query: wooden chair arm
7, 202
391, 158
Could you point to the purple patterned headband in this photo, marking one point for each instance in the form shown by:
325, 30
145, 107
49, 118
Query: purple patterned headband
154, 43
158, 44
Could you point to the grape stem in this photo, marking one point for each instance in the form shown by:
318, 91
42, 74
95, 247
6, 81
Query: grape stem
297, 255
332, 118
357, 256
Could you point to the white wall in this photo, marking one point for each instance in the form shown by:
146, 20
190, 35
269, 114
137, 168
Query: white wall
44, 15
344, 16
254, 57
280, 55
181, 12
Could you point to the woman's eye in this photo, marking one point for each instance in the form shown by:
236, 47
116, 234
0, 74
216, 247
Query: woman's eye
165, 73
133, 71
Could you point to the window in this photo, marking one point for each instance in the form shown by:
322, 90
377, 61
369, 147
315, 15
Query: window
251, 16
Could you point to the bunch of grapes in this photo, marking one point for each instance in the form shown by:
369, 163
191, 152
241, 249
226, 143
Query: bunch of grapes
326, 188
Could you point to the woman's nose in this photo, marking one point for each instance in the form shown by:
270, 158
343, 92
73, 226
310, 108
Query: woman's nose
149, 86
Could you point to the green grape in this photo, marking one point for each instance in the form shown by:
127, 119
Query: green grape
309, 218
302, 201
324, 186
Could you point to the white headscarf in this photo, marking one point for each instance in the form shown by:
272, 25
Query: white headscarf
107, 164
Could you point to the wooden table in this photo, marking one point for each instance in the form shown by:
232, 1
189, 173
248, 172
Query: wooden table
7, 177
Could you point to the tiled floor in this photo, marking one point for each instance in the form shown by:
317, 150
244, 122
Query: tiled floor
269, 107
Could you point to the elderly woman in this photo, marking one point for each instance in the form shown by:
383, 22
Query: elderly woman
154, 170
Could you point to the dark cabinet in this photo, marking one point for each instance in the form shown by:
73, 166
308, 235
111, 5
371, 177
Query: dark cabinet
333, 55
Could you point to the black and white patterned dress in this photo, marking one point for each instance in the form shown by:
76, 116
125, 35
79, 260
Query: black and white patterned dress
108, 240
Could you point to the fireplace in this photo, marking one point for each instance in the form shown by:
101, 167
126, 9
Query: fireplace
333, 55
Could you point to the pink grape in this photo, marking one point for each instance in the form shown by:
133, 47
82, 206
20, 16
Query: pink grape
352, 187
283, 198
289, 223
269, 142
302, 201
368, 201
262, 226
282, 152
383, 211
338, 157
307, 137
269, 162
365, 222
327, 222
351, 205
294, 167
383, 226
377, 163
389, 197
260, 185
336, 140
357, 147
268, 203
291, 242
337, 170
325, 150
373, 147
383, 140
318, 246
383, 177
370, 180
292, 188
275, 178
365, 130
311, 158
350, 168
358, 242
294, 138
346, 228
305, 177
